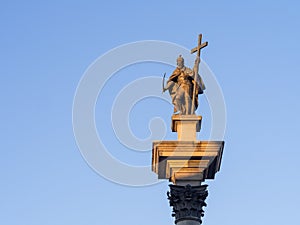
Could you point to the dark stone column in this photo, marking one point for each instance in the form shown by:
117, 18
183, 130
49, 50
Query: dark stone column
187, 202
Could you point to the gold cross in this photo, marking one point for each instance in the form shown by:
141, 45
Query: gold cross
200, 46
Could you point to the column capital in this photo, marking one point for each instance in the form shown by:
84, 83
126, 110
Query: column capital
187, 202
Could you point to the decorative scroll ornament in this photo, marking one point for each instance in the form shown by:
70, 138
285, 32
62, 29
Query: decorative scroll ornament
187, 202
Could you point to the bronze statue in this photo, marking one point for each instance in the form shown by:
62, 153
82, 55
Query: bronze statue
185, 85
181, 87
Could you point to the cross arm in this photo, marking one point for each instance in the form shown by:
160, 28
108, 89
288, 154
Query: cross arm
203, 45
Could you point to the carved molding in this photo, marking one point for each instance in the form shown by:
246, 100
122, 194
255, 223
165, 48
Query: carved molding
187, 202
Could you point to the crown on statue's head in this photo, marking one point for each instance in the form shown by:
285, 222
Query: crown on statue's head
180, 58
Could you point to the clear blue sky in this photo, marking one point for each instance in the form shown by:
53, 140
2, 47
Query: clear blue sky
254, 52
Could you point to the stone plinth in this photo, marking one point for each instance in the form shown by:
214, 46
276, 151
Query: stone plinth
187, 162
186, 126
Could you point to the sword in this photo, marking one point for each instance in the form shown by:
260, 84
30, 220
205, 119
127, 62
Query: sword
163, 83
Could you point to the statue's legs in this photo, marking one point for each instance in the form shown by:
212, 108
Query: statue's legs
186, 100
188, 104
179, 102
177, 105
182, 101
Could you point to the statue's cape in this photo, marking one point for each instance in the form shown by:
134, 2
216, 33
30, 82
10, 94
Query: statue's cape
200, 84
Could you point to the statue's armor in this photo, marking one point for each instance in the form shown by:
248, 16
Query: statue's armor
181, 87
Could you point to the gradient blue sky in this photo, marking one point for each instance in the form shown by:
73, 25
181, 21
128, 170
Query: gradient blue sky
254, 52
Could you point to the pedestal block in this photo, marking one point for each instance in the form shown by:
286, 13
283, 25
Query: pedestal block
186, 126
